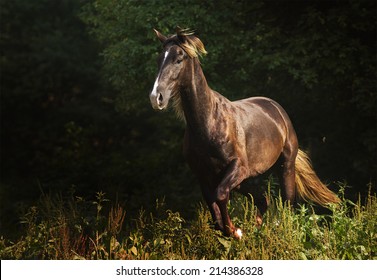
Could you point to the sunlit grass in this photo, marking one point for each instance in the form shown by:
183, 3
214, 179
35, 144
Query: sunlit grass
73, 228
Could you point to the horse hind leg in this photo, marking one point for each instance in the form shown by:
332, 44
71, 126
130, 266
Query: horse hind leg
252, 189
261, 202
288, 174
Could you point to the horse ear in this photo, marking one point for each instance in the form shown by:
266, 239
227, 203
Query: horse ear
161, 37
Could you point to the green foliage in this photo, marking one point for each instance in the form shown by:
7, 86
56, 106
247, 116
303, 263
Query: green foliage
74, 228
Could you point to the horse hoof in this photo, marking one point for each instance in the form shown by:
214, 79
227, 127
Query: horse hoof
259, 222
238, 233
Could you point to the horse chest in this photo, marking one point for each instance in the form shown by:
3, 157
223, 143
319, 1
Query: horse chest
204, 163
209, 154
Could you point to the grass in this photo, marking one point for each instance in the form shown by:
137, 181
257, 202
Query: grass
74, 228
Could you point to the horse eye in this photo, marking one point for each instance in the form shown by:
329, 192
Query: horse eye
179, 60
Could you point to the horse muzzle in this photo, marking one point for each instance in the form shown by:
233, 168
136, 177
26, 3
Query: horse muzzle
157, 101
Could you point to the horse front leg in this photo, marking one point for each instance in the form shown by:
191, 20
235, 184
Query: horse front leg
235, 173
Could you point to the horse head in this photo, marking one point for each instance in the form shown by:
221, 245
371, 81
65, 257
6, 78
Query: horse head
178, 51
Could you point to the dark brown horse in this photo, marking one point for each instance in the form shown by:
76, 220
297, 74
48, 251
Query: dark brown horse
226, 143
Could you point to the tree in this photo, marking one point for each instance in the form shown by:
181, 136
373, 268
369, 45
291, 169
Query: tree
52, 117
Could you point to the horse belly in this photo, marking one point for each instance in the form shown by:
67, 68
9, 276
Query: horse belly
263, 159
263, 147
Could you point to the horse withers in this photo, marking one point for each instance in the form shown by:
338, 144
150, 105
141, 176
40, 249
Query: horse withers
226, 143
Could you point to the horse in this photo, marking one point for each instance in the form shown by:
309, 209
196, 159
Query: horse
227, 143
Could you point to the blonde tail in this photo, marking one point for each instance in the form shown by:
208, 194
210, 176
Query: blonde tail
309, 186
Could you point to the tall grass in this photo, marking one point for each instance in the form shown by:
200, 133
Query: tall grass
74, 228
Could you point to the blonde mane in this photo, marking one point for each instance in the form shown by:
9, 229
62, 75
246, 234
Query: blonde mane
191, 44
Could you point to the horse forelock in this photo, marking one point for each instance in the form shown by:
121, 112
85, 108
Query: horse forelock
191, 44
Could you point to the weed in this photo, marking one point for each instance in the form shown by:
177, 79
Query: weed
73, 228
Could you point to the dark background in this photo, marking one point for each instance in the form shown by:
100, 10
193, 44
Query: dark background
75, 79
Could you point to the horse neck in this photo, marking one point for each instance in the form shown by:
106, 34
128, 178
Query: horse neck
197, 98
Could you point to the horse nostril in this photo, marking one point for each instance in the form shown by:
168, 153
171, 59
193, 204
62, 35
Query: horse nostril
160, 98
